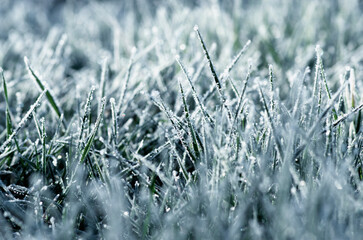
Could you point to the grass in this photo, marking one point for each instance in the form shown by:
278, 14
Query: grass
248, 127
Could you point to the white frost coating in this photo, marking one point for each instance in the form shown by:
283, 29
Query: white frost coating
23, 121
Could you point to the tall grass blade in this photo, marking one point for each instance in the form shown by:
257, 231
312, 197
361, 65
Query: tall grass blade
9, 125
114, 120
227, 70
271, 80
195, 95
235, 60
52, 101
215, 77
102, 83
240, 100
93, 133
274, 130
190, 126
87, 110
126, 81
318, 122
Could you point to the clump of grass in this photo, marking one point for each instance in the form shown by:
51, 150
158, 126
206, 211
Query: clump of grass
227, 148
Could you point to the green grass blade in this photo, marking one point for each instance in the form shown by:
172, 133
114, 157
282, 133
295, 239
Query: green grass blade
271, 80
9, 125
345, 116
44, 155
318, 122
52, 101
227, 70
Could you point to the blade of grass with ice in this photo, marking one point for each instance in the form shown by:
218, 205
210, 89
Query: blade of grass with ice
195, 95
126, 81
240, 100
215, 77
190, 126
323, 77
271, 81
93, 133
318, 122
114, 120
87, 109
274, 130
227, 70
102, 83
52, 101
23, 121
9, 125
235, 60
164, 109
345, 116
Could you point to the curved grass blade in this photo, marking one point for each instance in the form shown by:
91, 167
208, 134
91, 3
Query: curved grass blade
52, 101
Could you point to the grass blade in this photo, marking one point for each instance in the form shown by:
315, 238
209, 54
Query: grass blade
235, 60
102, 83
94, 132
227, 70
126, 82
23, 121
9, 125
114, 120
240, 100
52, 101
322, 115
171, 118
215, 77
274, 131
195, 95
190, 126
87, 109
